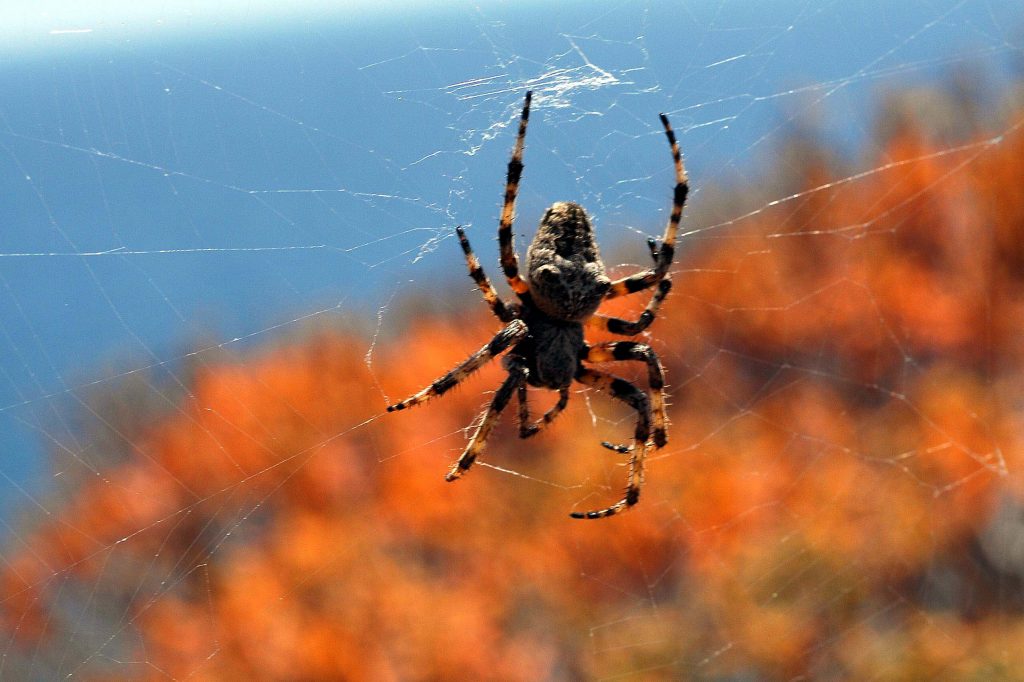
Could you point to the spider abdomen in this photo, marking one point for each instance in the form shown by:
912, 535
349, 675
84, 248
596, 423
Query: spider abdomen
567, 278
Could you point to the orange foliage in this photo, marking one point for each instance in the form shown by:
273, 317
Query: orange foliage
845, 372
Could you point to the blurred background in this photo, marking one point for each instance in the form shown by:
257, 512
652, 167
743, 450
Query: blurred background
228, 243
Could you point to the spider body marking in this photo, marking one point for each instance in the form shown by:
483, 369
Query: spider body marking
544, 331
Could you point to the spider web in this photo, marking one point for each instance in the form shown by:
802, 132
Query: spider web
229, 244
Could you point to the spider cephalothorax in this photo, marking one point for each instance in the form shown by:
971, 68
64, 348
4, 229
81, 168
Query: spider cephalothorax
544, 329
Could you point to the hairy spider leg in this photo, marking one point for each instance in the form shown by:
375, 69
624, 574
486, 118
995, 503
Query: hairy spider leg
503, 312
637, 399
617, 325
509, 259
507, 337
516, 377
527, 429
665, 254
618, 351
652, 246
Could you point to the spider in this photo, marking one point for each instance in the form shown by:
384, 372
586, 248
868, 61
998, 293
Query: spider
543, 333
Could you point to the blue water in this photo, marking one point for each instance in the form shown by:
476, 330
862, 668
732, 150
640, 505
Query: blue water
166, 189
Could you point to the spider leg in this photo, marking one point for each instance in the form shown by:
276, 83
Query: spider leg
613, 351
526, 428
509, 259
652, 246
505, 313
664, 254
637, 399
516, 378
617, 325
508, 336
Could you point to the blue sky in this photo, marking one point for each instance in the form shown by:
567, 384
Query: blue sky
24, 23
